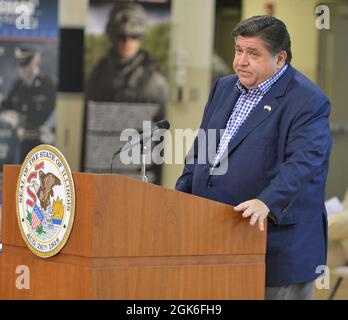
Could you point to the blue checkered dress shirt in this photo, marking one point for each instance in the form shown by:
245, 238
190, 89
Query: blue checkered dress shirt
246, 102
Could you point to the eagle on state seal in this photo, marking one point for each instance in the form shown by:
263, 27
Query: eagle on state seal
45, 191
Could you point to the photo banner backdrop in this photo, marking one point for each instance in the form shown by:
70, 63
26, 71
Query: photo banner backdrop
126, 68
29, 38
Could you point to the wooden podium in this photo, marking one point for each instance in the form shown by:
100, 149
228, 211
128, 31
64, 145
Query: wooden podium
132, 240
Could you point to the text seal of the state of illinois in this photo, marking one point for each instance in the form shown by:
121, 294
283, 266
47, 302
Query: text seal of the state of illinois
45, 200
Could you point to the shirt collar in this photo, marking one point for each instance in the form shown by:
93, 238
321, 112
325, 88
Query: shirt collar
263, 87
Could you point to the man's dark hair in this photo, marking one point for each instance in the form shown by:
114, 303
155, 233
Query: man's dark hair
270, 29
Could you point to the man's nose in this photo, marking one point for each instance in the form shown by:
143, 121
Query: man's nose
243, 59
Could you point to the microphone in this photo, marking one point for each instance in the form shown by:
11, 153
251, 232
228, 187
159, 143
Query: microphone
144, 136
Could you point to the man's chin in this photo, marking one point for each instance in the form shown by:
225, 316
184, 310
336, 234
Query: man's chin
127, 56
246, 83
125, 59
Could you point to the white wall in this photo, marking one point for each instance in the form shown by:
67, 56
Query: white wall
72, 14
192, 40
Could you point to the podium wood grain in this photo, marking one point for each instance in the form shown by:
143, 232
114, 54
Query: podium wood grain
133, 240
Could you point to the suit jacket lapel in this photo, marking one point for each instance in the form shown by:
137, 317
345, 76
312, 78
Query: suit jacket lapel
257, 116
221, 117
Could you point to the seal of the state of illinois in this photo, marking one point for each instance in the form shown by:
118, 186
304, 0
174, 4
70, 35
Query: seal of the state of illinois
45, 200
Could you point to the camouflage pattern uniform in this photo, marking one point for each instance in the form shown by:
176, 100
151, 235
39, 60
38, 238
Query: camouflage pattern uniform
139, 80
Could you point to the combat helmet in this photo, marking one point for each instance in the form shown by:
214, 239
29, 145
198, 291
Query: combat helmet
126, 19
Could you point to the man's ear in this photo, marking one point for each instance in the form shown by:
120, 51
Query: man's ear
281, 59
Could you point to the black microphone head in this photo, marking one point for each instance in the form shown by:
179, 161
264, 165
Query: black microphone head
163, 124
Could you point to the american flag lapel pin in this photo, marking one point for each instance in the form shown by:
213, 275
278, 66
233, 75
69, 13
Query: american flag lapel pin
267, 107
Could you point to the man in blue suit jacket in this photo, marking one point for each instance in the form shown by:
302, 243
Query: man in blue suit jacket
276, 147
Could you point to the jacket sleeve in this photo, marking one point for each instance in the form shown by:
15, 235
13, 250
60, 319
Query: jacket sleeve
306, 154
184, 182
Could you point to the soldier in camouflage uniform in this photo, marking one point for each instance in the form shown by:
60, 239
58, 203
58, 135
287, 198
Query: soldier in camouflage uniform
31, 99
127, 73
